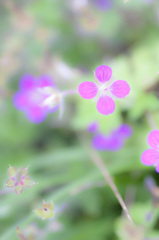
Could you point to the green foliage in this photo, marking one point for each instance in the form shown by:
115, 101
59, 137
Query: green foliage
35, 36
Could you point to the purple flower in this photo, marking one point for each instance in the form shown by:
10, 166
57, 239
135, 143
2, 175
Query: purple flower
103, 142
37, 97
104, 89
92, 127
103, 4
151, 156
124, 131
114, 141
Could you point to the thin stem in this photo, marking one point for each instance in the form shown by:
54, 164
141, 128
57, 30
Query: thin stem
95, 157
69, 92
150, 120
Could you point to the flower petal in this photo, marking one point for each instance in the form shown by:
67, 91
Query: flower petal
153, 139
28, 182
24, 172
120, 88
103, 73
93, 127
18, 189
88, 90
45, 81
99, 142
48, 214
20, 100
124, 131
115, 143
105, 105
49, 206
107, 143
12, 172
150, 157
39, 212
10, 183
157, 168
27, 82
36, 114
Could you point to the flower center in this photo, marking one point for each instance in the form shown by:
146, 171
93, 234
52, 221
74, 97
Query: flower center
18, 176
104, 89
35, 97
51, 97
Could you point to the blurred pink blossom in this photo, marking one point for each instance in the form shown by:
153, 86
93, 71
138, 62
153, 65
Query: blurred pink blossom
36, 97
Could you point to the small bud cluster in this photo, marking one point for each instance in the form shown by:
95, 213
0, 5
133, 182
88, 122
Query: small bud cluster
19, 179
46, 211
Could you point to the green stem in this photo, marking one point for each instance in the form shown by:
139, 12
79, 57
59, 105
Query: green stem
95, 157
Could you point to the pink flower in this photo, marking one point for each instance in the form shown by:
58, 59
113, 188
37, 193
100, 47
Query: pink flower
151, 156
37, 97
19, 179
104, 89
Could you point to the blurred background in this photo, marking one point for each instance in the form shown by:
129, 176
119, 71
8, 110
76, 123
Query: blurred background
67, 40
